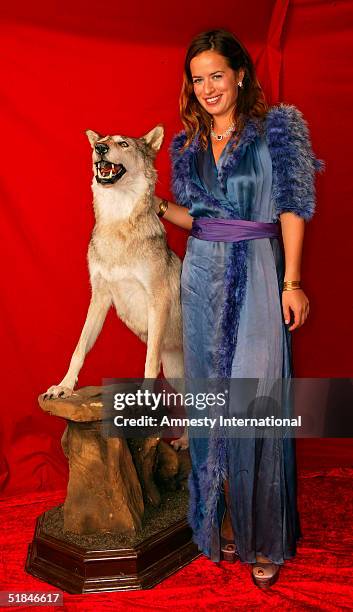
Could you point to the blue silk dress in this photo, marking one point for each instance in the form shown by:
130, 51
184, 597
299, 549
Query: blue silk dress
261, 472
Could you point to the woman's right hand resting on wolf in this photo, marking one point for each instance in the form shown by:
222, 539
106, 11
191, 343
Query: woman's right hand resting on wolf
179, 215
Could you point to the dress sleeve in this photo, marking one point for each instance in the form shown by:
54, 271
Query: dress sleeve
293, 161
179, 170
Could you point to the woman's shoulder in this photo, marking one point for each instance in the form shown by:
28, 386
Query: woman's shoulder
178, 151
284, 119
284, 109
179, 139
177, 143
288, 134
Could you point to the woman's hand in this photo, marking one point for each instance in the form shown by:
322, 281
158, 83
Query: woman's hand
295, 301
179, 215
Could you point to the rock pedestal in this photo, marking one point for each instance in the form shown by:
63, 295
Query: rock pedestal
104, 493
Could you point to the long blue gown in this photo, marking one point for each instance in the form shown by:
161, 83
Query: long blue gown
261, 472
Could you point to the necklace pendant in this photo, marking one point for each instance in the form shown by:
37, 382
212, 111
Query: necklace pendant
219, 137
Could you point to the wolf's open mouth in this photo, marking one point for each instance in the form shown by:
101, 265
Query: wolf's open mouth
107, 172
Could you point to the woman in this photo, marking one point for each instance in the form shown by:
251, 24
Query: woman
239, 168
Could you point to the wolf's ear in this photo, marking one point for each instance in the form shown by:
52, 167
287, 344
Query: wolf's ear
92, 137
154, 138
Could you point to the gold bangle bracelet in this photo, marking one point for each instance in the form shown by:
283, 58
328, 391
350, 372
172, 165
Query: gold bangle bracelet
290, 285
290, 288
163, 207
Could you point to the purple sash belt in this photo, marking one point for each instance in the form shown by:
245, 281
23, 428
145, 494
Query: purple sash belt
232, 230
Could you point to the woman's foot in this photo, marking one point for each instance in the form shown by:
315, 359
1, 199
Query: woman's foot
264, 572
228, 548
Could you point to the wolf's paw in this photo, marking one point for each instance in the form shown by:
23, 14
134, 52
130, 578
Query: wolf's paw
181, 443
56, 391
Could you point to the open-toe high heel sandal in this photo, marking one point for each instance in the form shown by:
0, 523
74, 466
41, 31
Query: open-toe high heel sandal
265, 575
229, 550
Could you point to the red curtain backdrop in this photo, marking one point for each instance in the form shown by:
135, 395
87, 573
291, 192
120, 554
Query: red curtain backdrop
116, 68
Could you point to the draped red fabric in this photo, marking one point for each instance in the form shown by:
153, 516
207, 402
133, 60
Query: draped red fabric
270, 60
67, 68
116, 68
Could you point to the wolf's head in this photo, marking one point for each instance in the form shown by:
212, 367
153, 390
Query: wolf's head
121, 161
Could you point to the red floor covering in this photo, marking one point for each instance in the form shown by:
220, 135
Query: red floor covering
320, 578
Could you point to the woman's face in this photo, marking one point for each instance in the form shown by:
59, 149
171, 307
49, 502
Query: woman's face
215, 83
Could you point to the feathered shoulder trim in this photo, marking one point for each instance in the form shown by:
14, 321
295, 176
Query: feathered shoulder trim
177, 142
181, 166
293, 161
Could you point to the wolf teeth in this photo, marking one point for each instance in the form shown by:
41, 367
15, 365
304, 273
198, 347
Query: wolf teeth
103, 176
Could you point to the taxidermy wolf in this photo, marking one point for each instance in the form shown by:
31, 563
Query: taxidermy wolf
132, 269
130, 264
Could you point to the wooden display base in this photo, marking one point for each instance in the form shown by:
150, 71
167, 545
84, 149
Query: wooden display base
87, 570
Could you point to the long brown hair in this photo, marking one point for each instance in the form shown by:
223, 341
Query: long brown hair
250, 101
